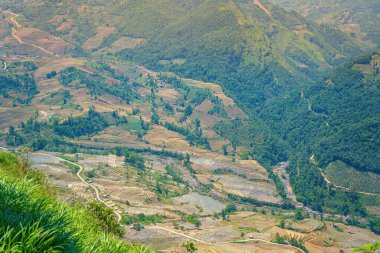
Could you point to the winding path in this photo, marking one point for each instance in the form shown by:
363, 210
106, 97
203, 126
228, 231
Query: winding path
272, 243
86, 183
183, 235
18, 26
241, 241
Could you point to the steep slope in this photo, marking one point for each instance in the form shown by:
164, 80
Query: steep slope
232, 42
337, 119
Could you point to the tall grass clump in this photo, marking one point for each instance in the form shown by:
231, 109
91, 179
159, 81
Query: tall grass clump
33, 220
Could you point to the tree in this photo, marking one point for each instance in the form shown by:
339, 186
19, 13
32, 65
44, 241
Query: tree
155, 119
225, 151
138, 227
188, 111
368, 248
282, 223
298, 215
106, 218
190, 247
197, 223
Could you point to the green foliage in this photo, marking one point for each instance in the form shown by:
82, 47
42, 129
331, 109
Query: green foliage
105, 218
20, 87
193, 219
291, 240
368, 248
155, 118
171, 171
335, 119
73, 167
231, 208
135, 160
51, 74
193, 135
75, 127
311, 190
98, 84
343, 175
362, 12
374, 225
298, 214
189, 246
142, 219
38, 136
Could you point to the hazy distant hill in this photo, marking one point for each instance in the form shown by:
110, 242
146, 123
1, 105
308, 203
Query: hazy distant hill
360, 17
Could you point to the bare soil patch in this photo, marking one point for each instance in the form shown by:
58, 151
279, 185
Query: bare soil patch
43, 40
102, 33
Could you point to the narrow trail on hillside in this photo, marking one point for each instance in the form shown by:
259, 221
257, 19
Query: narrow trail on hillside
78, 174
262, 7
265, 241
225, 242
180, 234
19, 40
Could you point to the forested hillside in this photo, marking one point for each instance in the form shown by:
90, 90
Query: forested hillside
336, 119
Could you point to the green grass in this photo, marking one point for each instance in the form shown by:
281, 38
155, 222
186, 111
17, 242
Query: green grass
74, 168
33, 220
339, 229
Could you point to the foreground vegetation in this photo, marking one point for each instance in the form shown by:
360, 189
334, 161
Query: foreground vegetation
32, 219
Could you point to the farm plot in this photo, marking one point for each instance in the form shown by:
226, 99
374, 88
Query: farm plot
102, 33
261, 191
157, 238
306, 225
160, 136
125, 43
13, 116
196, 203
43, 39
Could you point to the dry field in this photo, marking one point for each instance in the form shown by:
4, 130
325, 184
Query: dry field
102, 33
124, 43
13, 116
196, 203
43, 39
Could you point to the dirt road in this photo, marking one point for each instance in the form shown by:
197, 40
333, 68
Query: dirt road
78, 174
18, 26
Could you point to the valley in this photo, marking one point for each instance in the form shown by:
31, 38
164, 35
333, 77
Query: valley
152, 147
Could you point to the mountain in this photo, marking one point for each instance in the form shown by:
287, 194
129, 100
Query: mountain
188, 117
356, 18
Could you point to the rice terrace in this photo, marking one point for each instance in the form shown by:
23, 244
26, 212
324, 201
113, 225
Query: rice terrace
214, 126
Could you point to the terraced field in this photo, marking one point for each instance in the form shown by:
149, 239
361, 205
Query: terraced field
186, 169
